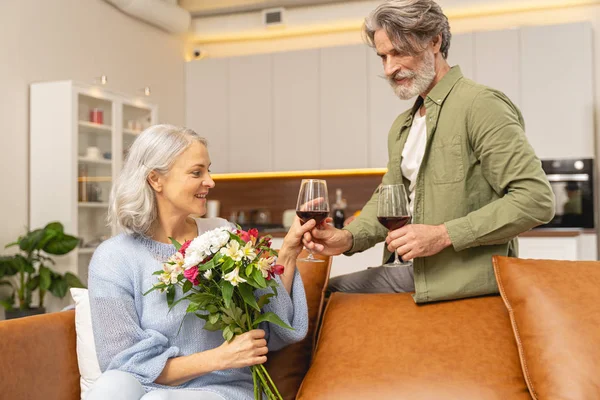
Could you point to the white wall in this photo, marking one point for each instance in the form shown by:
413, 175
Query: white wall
43, 40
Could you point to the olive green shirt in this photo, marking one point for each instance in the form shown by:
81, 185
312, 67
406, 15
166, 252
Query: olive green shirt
479, 176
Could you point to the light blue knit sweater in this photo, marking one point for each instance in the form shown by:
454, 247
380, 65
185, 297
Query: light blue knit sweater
137, 334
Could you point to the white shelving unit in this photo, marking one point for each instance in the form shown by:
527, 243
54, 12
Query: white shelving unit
73, 161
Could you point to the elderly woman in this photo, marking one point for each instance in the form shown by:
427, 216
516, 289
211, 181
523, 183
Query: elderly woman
166, 178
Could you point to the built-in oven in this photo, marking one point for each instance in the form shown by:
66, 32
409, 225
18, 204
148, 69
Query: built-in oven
572, 182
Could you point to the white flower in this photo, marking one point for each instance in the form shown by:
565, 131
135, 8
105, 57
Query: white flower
232, 250
208, 274
264, 265
193, 258
206, 245
234, 277
249, 252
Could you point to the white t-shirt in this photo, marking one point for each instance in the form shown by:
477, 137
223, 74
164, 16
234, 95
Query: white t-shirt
412, 154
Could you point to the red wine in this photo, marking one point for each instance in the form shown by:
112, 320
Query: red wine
306, 216
393, 223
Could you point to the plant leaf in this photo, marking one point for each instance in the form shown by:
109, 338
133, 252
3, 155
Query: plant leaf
73, 281
29, 242
170, 295
192, 307
227, 265
227, 333
214, 318
33, 283
259, 279
205, 267
272, 318
249, 269
158, 272
264, 300
59, 287
45, 278
248, 295
61, 244
227, 290
187, 286
175, 243
158, 286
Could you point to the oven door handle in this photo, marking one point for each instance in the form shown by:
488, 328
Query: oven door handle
568, 177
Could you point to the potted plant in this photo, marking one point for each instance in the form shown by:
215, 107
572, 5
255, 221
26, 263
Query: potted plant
29, 270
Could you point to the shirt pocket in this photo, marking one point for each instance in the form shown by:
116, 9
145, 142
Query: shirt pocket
447, 161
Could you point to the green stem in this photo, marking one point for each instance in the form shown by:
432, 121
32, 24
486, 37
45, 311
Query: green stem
22, 290
262, 367
266, 387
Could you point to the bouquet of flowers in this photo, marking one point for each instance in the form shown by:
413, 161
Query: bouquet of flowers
218, 273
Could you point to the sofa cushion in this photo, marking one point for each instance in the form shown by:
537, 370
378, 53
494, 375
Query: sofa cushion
554, 308
38, 358
288, 366
384, 346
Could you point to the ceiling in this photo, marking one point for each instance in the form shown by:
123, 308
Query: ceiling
200, 8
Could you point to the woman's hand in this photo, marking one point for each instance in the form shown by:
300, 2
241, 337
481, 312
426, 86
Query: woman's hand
244, 350
292, 243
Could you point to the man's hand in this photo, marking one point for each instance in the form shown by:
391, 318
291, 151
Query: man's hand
327, 240
412, 241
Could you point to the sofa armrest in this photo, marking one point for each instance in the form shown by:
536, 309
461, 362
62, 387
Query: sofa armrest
38, 358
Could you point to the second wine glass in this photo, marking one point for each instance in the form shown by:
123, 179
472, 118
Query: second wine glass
313, 203
393, 212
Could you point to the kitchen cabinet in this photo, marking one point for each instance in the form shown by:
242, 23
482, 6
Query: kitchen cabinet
207, 107
343, 96
557, 89
497, 61
250, 113
577, 248
296, 106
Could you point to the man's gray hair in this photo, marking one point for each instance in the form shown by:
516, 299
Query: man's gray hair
132, 203
410, 25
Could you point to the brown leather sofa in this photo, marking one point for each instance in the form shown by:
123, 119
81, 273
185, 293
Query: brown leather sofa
380, 346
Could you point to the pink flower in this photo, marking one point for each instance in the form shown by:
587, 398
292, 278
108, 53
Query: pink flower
184, 247
245, 236
191, 275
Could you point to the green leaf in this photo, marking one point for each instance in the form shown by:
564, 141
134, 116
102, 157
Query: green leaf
33, 283
272, 318
258, 278
203, 299
29, 242
9, 265
248, 295
7, 303
213, 327
73, 281
178, 301
62, 244
6, 283
264, 300
228, 265
11, 244
156, 287
158, 272
214, 318
45, 277
209, 265
59, 287
170, 295
228, 333
249, 269
192, 307
175, 243
227, 290
187, 286
212, 309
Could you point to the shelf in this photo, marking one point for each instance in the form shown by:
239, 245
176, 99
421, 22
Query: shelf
86, 250
94, 128
131, 132
300, 174
99, 162
92, 204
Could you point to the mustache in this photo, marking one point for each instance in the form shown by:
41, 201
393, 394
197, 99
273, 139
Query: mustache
399, 75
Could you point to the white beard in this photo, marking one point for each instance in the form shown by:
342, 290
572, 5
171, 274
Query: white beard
420, 79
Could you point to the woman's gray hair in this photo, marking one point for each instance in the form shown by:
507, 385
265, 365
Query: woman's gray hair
132, 203
410, 25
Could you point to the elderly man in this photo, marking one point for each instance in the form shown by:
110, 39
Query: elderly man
474, 182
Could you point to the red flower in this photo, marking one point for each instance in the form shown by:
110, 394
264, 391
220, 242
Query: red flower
192, 275
253, 232
184, 247
245, 236
277, 269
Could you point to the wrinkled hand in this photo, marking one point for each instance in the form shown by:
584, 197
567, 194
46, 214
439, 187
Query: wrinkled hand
244, 350
292, 243
327, 240
413, 240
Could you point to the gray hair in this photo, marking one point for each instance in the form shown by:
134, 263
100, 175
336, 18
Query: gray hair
410, 25
132, 203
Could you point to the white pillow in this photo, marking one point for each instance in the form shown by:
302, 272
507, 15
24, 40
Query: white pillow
86, 348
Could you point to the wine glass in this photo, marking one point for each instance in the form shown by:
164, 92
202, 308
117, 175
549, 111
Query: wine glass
313, 203
393, 212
